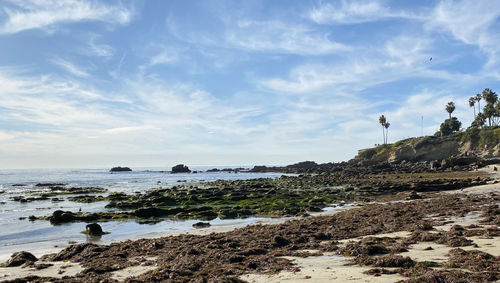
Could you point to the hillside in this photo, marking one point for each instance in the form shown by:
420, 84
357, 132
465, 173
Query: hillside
467, 147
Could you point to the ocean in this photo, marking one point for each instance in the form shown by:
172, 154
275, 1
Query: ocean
40, 236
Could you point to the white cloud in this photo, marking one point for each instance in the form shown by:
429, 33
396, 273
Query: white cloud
280, 37
46, 14
70, 67
101, 50
399, 58
354, 12
472, 22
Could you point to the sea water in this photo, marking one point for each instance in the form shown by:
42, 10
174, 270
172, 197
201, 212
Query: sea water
40, 236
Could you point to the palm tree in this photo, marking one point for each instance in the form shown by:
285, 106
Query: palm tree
386, 126
450, 107
382, 121
489, 96
472, 103
478, 99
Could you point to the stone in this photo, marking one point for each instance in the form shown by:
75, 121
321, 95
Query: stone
60, 216
94, 229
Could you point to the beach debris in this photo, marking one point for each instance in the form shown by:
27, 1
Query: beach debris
20, 258
413, 195
280, 241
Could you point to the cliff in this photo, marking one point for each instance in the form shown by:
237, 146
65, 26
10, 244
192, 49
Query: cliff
469, 146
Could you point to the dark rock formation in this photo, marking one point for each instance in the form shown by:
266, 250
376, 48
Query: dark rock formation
60, 216
20, 258
180, 168
201, 225
94, 229
120, 169
49, 184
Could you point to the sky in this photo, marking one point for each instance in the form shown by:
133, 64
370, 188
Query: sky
95, 84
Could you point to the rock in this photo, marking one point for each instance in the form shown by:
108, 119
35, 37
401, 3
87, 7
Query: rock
19, 258
201, 225
94, 229
180, 168
60, 216
49, 184
120, 169
150, 212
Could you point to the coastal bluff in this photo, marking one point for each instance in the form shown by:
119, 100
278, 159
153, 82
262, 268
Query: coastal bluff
471, 146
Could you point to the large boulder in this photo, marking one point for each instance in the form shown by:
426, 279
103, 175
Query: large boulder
60, 216
20, 258
94, 229
180, 168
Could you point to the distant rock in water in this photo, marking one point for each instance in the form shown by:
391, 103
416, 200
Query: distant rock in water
120, 169
201, 225
49, 184
180, 168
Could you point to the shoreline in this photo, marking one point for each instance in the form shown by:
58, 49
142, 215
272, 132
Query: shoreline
214, 228
328, 260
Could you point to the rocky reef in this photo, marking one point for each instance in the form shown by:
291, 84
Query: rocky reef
120, 169
180, 168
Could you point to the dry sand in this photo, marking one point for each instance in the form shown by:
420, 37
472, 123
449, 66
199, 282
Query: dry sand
57, 270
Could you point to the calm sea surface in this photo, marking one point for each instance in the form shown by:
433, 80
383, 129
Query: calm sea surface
40, 236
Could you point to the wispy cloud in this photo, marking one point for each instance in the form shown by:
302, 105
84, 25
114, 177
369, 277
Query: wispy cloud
33, 14
96, 49
399, 58
280, 37
70, 67
472, 22
355, 12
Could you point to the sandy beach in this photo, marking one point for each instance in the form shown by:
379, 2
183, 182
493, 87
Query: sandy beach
316, 263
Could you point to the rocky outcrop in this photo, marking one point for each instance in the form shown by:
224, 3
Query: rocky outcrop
180, 168
425, 149
120, 169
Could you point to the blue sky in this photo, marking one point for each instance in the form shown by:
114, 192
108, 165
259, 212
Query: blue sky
156, 83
